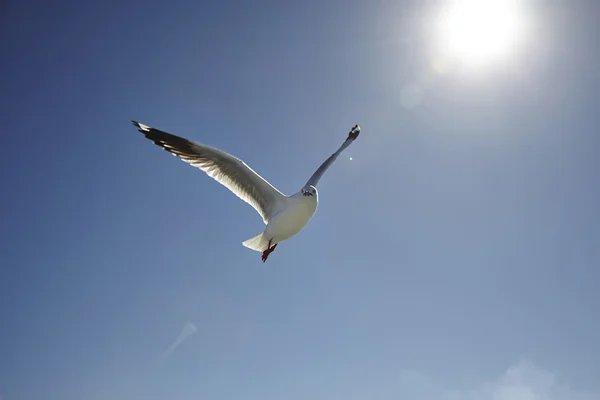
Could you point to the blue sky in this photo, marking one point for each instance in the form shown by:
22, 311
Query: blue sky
454, 257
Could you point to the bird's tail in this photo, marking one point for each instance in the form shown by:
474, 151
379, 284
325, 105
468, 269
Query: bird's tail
257, 243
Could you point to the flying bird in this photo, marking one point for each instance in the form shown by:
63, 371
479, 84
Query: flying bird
284, 216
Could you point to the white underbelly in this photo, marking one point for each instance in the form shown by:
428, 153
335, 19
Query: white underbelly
289, 222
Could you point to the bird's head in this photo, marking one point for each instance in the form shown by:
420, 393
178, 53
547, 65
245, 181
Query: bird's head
310, 191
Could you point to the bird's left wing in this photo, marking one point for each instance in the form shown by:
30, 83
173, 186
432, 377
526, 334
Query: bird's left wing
352, 135
226, 169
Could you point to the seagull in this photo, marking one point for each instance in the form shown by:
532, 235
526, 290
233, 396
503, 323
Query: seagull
284, 216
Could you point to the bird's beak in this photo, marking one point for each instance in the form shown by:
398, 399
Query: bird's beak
354, 132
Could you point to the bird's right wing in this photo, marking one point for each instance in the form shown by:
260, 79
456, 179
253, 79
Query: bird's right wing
226, 169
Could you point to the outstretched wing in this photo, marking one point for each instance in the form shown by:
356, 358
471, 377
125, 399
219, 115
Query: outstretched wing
353, 134
226, 169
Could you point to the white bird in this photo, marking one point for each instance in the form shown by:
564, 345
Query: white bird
283, 215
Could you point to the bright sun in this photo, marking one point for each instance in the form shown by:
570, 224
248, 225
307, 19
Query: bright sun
476, 32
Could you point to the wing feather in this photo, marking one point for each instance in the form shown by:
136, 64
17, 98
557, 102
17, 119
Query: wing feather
226, 169
352, 135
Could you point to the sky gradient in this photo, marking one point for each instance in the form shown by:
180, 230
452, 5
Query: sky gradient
454, 257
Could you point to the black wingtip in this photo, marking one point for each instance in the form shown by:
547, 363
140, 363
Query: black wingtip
354, 132
141, 128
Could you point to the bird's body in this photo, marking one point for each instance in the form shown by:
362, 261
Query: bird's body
293, 218
284, 216
286, 223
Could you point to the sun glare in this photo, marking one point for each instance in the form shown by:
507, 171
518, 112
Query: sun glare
476, 32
